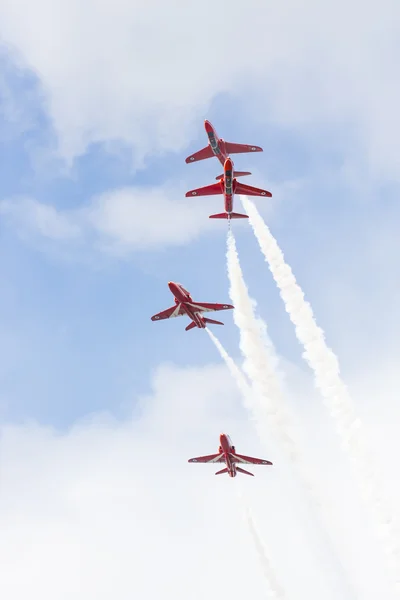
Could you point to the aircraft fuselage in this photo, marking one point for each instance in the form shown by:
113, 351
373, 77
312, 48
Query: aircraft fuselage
217, 144
227, 447
183, 297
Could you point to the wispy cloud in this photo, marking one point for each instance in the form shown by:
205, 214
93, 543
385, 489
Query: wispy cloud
119, 496
117, 222
304, 65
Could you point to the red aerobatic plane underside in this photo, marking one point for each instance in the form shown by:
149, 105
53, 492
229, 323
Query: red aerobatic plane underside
228, 186
219, 148
227, 454
184, 305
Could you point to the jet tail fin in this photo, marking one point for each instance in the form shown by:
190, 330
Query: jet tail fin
190, 326
240, 470
221, 471
212, 321
225, 215
235, 174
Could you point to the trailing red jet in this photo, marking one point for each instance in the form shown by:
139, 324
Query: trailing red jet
227, 454
221, 149
184, 305
228, 186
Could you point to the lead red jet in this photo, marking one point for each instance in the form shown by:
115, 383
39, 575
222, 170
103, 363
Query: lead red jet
184, 305
228, 186
221, 149
227, 454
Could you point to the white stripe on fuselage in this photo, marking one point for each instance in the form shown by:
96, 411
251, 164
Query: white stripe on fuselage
230, 465
193, 315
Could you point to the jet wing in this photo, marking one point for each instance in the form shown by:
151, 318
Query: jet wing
200, 155
169, 313
208, 190
241, 148
249, 460
211, 458
209, 307
249, 190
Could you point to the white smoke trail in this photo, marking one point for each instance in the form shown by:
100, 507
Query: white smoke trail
268, 403
234, 370
326, 369
268, 406
275, 590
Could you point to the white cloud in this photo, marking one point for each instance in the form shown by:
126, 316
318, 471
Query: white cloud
117, 222
113, 508
141, 218
145, 73
27, 214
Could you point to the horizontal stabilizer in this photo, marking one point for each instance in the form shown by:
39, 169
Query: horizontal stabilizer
225, 215
212, 321
240, 470
221, 471
190, 326
235, 174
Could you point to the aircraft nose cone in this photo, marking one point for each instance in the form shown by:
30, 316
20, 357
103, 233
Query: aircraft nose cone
172, 287
228, 164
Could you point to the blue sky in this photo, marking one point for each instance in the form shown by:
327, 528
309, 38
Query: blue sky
99, 107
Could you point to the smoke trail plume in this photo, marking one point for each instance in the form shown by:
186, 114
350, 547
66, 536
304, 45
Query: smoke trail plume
325, 365
275, 590
268, 404
234, 370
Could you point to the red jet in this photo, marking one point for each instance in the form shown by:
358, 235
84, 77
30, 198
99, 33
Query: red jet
221, 149
227, 454
184, 305
228, 186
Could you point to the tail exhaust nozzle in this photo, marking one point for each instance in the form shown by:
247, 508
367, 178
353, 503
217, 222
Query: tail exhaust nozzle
225, 215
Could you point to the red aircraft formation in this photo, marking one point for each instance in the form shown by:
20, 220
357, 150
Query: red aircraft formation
227, 185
